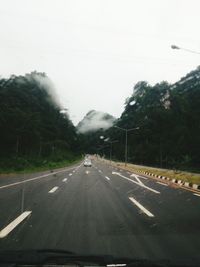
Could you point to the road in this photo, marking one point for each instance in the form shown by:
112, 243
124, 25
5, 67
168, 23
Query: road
99, 210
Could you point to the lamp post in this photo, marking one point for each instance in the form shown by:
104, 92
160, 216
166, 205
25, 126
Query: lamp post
111, 142
126, 140
185, 49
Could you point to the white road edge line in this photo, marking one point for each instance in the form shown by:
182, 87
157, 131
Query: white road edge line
162, 183
53, 189
5, 231
142, 185
197, 195
64, 180
142, 208
107, 178
32, 179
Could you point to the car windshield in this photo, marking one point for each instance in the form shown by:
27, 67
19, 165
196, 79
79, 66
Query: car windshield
100, 128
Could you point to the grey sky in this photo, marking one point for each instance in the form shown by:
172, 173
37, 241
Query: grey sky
95, 51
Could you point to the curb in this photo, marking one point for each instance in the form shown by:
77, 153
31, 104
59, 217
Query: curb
171, 180
174, 180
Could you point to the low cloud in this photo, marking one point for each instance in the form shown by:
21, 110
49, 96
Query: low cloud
95, 120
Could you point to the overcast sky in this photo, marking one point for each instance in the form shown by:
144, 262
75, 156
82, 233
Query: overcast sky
96, 50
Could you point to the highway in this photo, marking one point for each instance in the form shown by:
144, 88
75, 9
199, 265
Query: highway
99, 210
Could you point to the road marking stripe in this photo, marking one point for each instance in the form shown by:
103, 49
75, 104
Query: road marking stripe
162, 183
142, 185
100, 171
142, 208
197, 195
136, 177
107, 178
5, 231
53, 189
70, 174
32, 179
65, 180
87, 172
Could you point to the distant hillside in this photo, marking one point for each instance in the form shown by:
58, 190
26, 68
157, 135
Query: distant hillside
95, 120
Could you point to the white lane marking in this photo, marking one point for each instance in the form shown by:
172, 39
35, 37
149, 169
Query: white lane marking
136, 177
53, 189
100, 171
5, 231
142, 185
87, 172
162, 183
107, 178
65, 180
70, 174
32, 179
197, 195
142, 208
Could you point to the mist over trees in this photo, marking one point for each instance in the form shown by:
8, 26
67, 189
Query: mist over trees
169, 120
32, 126
34, 129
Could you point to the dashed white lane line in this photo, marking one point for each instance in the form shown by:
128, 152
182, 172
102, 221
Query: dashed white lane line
162, 183
100, 171
32, 179
142, 208
142, 185
53, 189
198, 195
107, 178
64, 180
70, 174
5, 231
87, 172
73, 170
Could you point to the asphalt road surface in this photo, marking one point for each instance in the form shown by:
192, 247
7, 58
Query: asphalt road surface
99, 210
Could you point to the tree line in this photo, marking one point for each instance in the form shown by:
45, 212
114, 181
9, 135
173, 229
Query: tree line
168, 117
33, 127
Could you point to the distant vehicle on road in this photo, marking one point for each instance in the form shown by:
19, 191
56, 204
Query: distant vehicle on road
87, 163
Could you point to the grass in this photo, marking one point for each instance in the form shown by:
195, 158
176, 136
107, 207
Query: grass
50, 165
179, 175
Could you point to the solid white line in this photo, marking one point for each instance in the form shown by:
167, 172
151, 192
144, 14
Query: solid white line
65, 180
53, 189
136, 177
142, 185
32, 179
197, 195
4, 232
107, 178
142, 208
162, 183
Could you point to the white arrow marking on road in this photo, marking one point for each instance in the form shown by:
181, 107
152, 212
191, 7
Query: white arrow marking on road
162, 183
142, 185
65, 180
107, 178
142, 208
136, 177
4, 232
53, 189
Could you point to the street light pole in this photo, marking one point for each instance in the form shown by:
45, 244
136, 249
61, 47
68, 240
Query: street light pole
126, 140
185, 49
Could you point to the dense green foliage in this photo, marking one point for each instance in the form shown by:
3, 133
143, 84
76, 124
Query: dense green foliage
33, 131
169, 121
